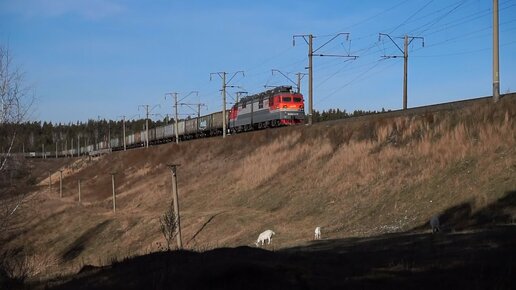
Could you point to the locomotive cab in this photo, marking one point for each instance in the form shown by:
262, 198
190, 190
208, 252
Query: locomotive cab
290, 102
289, 107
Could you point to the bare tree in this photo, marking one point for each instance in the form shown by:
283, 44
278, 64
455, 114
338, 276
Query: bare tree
168, 225
15, 101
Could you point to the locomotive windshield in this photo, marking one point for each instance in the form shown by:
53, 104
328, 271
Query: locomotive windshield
287, 99
297, 100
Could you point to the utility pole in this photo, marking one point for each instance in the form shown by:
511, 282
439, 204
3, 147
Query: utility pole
71, 147
95, 146
147, 121
173, 169
225, 85
43, 151
49, 181
197, 110
123, 131
78, 146
60, 183
176, 108
496, 59
79, 182
299, 78
56, 150
176, 118
406, 41
176, 125
308, 38
109, 134
114, 194
146, 127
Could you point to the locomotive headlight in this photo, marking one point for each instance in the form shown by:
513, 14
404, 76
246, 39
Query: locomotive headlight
284, 106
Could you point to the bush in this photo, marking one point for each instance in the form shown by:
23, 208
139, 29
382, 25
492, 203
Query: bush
168, 225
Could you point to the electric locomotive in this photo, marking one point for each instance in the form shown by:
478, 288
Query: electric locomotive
272, 108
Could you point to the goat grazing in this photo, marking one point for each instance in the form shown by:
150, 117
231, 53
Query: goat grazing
434, 224
317, 233
267, 235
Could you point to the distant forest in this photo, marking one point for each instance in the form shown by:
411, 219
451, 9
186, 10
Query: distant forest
32, 136
335, 114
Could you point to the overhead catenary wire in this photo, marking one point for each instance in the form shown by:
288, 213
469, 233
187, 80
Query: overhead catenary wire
436, 20
360, 77
412, 15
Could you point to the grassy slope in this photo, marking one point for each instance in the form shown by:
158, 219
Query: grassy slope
350, 178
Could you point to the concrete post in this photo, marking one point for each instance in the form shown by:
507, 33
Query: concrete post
173, 168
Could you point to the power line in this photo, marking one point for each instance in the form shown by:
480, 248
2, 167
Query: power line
358, 78
374, 17
435, 21
465, 52
468, 18
414, 14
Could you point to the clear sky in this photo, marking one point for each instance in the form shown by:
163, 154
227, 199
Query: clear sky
90, 58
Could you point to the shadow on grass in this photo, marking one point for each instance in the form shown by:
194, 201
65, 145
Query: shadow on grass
461, 216
478, 259
77, 246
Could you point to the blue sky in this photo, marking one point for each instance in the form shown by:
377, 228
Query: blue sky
104, 57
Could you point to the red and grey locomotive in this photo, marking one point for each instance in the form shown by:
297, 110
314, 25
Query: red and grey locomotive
277, 107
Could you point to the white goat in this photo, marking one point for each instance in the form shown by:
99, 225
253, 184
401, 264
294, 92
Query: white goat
317, 233
434, 224
267, 235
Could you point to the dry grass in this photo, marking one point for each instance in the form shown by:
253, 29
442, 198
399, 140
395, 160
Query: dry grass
352, 179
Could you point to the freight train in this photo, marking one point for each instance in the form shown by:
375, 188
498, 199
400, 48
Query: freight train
273, 108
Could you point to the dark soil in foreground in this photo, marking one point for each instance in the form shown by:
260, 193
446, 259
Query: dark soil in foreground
477, 259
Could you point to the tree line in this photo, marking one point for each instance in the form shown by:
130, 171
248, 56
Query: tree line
33, 135
336, 114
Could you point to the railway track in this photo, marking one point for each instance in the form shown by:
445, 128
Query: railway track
418, 111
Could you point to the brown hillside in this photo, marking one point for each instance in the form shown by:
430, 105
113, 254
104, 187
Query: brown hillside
353, 179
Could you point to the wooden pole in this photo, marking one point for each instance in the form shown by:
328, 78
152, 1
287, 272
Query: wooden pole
114, 194
61, 184
50, 181
79, 191
173, 168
